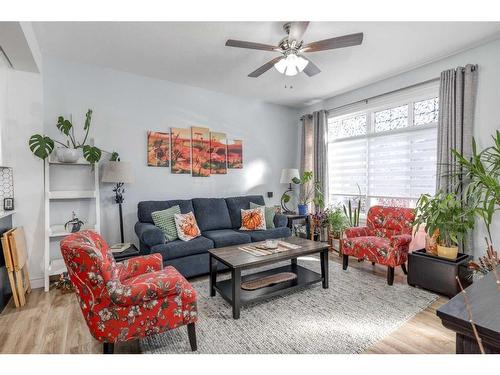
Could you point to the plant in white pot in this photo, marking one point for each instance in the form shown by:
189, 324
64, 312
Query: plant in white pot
447, 216
70, 151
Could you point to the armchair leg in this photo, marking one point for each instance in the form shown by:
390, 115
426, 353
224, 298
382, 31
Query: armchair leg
373, 263
390, 275
192, 336
108, 348
345, 261
403, 267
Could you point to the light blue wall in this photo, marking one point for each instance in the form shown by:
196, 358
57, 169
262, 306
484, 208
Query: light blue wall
126, 106
487, 119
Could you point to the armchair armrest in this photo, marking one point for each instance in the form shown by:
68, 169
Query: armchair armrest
149, 234
280, 220
400, 240
141, 265
356, 232
146, 287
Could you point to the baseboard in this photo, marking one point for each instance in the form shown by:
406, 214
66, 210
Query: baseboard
37, 283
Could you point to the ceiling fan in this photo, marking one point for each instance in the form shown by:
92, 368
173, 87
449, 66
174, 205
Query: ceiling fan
292, 47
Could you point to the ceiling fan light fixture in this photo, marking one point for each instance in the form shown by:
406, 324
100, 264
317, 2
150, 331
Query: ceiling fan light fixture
291, 65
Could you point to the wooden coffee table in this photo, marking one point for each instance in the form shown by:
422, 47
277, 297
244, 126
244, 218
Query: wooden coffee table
237, 260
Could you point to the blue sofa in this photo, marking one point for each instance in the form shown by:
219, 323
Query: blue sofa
219, 220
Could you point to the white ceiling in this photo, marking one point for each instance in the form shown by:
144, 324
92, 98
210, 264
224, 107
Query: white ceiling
193, 53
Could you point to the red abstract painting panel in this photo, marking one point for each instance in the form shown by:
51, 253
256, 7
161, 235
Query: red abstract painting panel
158, 149
218, 153
201, 151
235, 154
181, 151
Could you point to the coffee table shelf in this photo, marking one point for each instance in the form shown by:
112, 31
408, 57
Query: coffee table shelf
304, 278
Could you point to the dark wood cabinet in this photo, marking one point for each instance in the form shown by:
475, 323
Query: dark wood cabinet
438, 274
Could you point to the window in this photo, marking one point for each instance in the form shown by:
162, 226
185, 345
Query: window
384, 153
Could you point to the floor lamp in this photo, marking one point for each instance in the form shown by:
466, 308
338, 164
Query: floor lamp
119, 173
287, 175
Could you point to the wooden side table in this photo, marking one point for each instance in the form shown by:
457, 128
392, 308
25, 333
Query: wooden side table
296, 217
438, 274
131, 252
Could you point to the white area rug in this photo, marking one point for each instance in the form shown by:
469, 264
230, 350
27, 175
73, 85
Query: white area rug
355, 312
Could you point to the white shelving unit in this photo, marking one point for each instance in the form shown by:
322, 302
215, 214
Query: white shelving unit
54, 265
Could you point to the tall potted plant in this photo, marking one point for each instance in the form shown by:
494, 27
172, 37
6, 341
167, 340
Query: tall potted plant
311, 193
447, 216
69, 150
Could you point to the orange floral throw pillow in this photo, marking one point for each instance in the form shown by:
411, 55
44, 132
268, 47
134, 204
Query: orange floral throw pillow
186, 226
253, 219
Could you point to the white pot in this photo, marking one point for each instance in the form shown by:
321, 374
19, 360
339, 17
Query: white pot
68, 155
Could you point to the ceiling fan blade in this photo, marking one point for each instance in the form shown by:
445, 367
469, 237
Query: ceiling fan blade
297, 30
332, 43
250, 45
264, 68
311, 68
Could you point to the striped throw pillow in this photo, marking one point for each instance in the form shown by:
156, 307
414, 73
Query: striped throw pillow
165, 221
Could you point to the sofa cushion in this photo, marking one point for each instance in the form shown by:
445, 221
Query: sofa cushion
145, 208
178, 248
262, 235
269, 212
236, 204
211, 213
227, 237
164, 220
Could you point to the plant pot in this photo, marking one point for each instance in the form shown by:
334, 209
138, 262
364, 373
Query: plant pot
68, 155
302, 209
447, 252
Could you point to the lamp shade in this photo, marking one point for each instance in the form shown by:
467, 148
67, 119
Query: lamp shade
288, 174
118, 171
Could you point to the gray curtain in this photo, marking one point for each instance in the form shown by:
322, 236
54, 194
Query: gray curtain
314, 147
457, 98
320, 161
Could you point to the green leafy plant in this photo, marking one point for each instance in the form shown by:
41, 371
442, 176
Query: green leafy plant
446, 214
481, 176
311, 193
353, 209
42, 145
337, 221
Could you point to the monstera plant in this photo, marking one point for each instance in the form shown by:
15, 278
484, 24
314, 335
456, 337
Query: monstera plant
42, 145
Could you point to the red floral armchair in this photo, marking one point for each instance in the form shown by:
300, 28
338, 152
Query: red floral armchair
129, 300
385, 240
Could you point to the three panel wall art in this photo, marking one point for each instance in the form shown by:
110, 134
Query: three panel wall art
196, 151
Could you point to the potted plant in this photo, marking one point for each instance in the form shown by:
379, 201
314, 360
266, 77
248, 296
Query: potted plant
337, 222
69, 151
352, 210
320, 224
311, 193
446, 216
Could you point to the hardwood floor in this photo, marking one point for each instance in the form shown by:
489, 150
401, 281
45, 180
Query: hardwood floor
53, 323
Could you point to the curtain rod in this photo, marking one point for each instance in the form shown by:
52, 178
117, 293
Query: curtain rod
386, 93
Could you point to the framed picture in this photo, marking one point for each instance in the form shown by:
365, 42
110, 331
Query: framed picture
158, 149
181, 151
8, 204
235, 154
200, 144
218, 153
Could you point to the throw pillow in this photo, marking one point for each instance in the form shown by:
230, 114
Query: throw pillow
253, 219
269, 213
165, 221
187, 229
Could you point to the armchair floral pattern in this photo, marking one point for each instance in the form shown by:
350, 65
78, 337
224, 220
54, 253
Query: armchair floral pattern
128, 300
386, 238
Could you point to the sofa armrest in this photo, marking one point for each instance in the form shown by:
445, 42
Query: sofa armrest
149, 234
280, 220
356, 232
